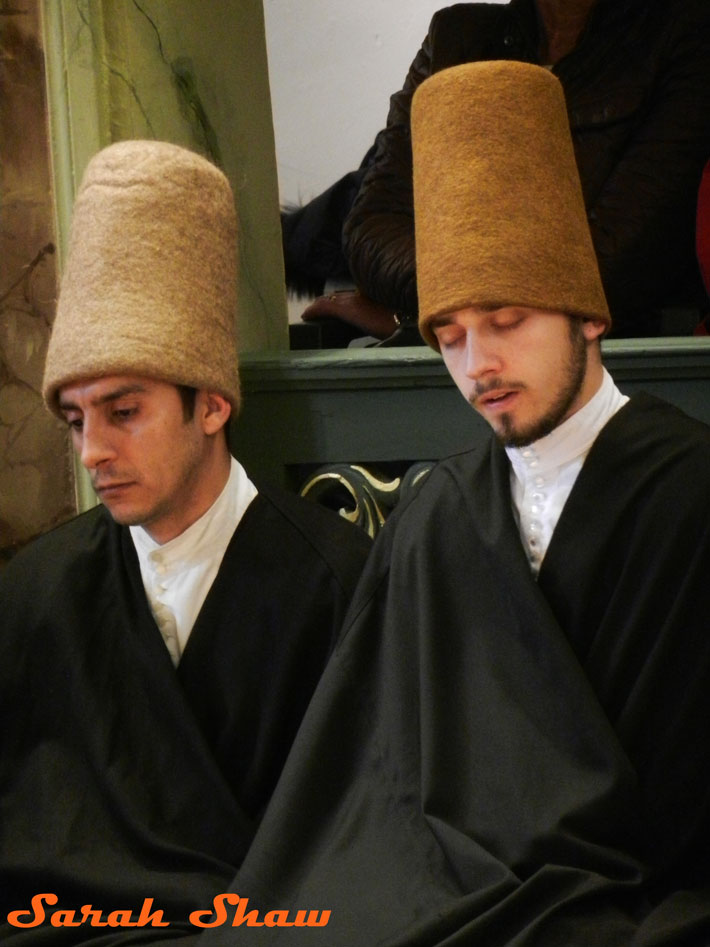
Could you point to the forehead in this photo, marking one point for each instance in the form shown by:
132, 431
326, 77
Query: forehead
89, 391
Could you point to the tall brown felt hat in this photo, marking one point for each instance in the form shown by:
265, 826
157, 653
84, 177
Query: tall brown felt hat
498, 207
150, 282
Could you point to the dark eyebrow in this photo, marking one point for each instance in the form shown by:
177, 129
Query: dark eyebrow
112, 395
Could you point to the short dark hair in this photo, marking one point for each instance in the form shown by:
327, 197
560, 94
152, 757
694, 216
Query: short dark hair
188, 396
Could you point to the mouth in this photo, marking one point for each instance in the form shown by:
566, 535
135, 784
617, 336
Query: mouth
497, 400
108, 490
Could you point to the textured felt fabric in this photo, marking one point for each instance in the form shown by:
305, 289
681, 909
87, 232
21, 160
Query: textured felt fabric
150, 283
499, 214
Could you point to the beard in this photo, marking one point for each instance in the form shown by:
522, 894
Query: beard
574, 372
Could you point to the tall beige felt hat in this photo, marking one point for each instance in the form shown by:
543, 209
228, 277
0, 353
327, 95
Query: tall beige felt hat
498, 207
150, 282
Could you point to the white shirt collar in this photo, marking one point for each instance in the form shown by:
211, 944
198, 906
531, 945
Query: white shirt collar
178, 574
214, 526
543, 473
574, 437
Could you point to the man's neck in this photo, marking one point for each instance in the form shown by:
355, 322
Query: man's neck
593, 379
210, 481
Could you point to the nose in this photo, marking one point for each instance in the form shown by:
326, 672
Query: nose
482, 358
95, 446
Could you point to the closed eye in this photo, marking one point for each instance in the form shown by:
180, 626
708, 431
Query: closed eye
448, 335
508, 321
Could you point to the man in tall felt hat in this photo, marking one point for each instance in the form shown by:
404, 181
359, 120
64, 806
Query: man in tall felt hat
509, 746
158, 652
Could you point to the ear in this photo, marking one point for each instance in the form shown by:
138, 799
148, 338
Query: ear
593, 329
213, 411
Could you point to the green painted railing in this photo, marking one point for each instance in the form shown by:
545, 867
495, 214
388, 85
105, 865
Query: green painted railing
392, 406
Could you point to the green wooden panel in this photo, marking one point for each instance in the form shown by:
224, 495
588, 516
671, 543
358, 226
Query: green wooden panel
379, 406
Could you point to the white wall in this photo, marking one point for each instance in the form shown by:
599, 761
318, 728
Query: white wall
332, 66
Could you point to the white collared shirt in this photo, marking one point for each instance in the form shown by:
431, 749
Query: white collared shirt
543, 473
178, 574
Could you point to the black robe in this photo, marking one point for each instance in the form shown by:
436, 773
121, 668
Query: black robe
493, 760
122, 778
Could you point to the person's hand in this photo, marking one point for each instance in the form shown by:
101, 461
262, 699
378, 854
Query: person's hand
352, 307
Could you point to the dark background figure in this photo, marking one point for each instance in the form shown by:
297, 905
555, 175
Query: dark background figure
312, 235
703, 244
315, 264
636, 76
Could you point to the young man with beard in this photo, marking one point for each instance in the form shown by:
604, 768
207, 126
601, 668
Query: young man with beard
509, 746
158, 652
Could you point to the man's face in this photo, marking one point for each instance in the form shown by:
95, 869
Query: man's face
149, 465
524, 370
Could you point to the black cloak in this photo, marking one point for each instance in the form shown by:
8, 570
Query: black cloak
493, 760
122, 778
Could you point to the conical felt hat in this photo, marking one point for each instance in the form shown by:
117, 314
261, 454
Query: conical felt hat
499, 213
150, 282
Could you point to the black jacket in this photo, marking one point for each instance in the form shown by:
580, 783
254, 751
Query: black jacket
638, 93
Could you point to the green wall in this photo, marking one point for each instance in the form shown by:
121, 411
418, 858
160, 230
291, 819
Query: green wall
185, 71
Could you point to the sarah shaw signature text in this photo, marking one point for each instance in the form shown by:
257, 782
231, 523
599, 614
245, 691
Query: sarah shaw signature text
148, 917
